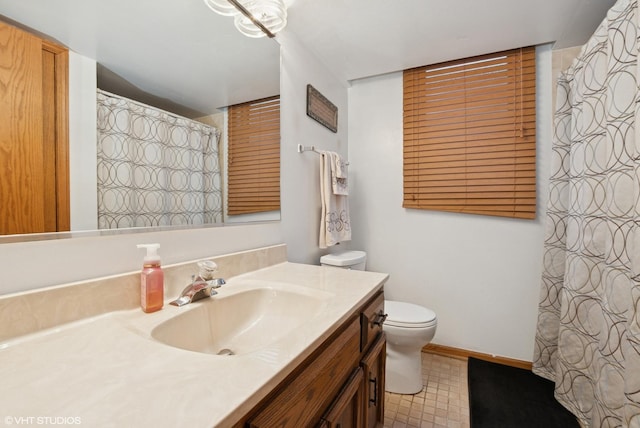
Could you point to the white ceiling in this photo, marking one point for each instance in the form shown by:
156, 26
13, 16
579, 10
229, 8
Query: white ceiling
361, 38
177, 54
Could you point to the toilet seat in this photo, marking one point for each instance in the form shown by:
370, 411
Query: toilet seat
408, 315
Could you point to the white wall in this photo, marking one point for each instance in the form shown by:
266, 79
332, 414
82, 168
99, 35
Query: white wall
83, 142
300, 172
479, 274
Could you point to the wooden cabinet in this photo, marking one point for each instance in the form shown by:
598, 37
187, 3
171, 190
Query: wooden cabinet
371, 319
302, 400
341, 385
373, 346
347, 409
373, 366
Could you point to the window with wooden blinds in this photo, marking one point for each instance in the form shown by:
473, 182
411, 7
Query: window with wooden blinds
470, 135
254, 156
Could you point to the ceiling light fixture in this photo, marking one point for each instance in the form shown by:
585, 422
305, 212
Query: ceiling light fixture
253, 18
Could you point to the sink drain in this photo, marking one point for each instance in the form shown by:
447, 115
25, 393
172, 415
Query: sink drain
225, 351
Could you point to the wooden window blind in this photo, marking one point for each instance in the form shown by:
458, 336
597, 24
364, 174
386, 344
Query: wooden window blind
470, 135
254, 156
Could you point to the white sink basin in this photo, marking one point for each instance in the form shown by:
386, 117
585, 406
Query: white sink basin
244, 317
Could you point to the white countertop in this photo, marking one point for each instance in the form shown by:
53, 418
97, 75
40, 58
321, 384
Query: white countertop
108, 371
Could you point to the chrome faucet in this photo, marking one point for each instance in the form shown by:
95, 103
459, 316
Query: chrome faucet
198, 290
201, 287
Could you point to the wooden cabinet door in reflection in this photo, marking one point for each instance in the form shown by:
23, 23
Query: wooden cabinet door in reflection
34, 170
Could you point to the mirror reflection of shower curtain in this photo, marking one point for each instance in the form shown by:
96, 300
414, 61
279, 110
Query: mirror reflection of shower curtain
155, 168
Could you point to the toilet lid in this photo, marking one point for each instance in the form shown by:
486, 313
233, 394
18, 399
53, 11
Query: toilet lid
345, 258
402, 314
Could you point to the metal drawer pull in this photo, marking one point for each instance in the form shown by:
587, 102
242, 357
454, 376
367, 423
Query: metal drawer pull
380, 318
374, 400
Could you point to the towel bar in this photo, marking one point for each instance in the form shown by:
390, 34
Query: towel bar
302, 149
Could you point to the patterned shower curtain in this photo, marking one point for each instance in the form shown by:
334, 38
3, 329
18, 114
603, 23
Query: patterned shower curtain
155, 168
588, 332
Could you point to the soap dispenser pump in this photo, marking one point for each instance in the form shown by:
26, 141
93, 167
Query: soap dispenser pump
151, 280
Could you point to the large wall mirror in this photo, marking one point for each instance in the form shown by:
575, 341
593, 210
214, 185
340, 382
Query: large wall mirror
174, 55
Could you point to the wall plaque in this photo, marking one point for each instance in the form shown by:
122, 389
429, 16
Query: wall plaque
321, 109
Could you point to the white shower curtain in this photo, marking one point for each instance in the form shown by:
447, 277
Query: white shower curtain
155, 168
588, 332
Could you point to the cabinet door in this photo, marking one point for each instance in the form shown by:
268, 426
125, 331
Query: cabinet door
373, 365
346, 410
34, 172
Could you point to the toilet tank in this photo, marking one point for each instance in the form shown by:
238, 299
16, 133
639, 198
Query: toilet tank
355, 260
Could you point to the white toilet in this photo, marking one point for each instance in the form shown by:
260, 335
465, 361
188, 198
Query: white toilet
408, 328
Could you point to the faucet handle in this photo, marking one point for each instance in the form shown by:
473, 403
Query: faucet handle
216, 283
206, 269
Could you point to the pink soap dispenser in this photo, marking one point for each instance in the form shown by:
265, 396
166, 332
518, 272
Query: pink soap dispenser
151, 280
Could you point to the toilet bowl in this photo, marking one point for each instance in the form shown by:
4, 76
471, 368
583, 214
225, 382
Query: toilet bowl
408, 328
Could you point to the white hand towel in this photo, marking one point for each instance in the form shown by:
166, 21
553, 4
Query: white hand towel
340, 166
335, 224
339, 173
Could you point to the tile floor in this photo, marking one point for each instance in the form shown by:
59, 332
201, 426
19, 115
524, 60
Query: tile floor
442, 403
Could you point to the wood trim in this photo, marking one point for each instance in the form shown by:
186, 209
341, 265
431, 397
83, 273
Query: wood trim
463, 354
49, 154
63, 203
60, 115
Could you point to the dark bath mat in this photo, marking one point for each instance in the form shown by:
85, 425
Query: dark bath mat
508, 397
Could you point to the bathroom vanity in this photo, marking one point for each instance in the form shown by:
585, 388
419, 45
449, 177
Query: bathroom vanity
340, 385
281, 344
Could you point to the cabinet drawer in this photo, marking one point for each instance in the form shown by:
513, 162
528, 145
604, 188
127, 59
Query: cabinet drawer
302, 400
371, 319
